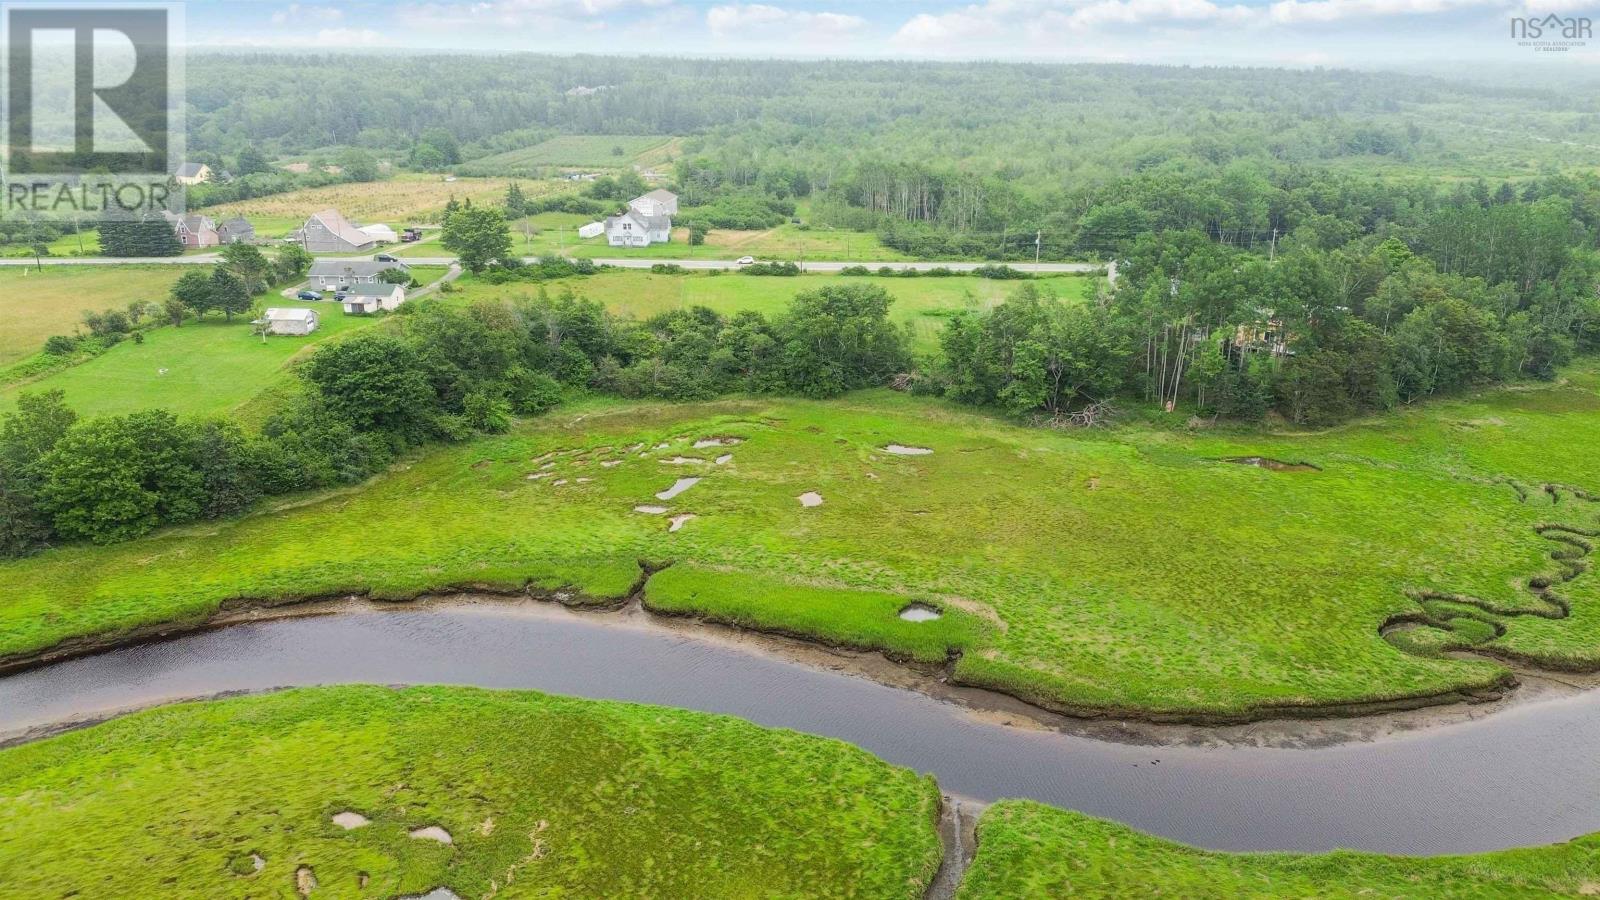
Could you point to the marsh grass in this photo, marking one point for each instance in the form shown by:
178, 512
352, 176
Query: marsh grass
542, 796
1028, 850
1125, 571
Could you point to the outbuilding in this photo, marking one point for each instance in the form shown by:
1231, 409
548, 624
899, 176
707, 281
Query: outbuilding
371, 297
290, 320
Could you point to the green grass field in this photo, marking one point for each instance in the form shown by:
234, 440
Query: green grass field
596, 151
924, 303
557, 233
1126, 571
204, 367
1028, 850
542, 797
39, 303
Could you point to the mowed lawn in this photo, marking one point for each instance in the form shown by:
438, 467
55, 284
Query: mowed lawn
1028, 850
540, 796
1131, 571
204, 367
39, 303
923, 303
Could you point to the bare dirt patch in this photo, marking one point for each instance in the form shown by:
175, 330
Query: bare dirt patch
903, 450
679, 520
650, 510
920, 612
723, 441
348, 820
810, 499
724, 459
681, 461
305, 881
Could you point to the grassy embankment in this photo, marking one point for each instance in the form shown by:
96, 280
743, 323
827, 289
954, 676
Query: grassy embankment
1123, 571
542, 796
1030, 850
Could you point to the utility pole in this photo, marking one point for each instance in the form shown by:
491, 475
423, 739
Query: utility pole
1038, 242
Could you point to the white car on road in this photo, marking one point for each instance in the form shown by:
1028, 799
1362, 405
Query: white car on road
745, 260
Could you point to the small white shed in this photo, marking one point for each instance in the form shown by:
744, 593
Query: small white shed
593, 229
291, 320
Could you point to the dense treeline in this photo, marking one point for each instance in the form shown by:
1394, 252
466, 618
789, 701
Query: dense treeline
768, 121
445, 373
1315, 335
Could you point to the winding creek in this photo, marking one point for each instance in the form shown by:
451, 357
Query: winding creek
1524, 774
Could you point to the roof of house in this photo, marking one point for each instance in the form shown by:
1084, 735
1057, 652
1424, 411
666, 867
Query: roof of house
237, 223
191, 221
373, 289
290, 314
190, 170
340, 227
639, 218
660, 195
352, 268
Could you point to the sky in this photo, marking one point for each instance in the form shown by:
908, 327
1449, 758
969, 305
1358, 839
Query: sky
1297, 33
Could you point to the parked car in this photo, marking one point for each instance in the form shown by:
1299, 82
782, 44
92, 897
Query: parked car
745, 260
386, 257
308, 295
340, 294
410, 235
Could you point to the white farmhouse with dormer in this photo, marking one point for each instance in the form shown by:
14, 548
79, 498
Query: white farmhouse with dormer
646, 221
632, 229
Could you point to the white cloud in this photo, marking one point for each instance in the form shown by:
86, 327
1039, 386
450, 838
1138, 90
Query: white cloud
1147, 12
542, 14
295, 13
759, 18
326, 38
1295, 12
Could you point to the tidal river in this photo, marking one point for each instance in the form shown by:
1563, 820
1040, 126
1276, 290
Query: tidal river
1525, 775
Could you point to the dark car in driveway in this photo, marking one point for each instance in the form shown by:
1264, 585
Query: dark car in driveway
308, 295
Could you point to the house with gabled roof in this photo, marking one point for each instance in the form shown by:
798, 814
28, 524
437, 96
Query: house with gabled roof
371, 297
192, 173
329, 231
336, 274
634, 229
193, 229
236, 230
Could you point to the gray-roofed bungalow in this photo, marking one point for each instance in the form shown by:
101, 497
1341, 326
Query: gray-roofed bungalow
329, 274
